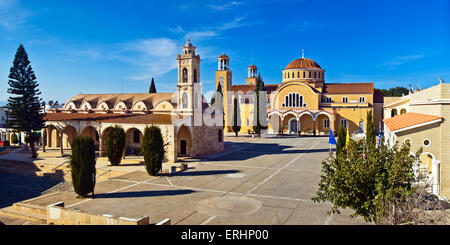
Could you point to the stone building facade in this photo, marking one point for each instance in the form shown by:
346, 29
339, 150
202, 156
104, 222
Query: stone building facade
420, 120
183, 117
303, 103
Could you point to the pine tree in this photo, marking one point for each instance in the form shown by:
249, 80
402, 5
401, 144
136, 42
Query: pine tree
236, 117
24, 105
259, 111
115, 144
370, 130
83, 165
153, 149
152, 86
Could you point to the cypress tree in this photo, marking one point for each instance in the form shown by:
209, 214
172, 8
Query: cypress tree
115, 144
340, 141
236, 117
152, 86
259, 111
153, 149
83, 165
14, 139
24, 105
370, 130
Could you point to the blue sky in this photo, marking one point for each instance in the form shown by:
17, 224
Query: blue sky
107, 46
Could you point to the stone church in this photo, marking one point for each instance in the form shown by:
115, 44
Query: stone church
186, 121
302, 103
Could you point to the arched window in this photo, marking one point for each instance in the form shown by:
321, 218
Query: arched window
292, 74
288, 75
195, 75
185, 100
298, 74
315, 74
344, 99
402, 111
394, 113
309, 74
293, 100
136, 136
185, 75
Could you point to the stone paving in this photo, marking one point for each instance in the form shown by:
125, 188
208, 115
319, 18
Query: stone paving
266, 181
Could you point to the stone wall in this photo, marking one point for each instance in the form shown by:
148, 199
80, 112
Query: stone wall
58, 215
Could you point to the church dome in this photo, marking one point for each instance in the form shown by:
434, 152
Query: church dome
303, 63
224, 56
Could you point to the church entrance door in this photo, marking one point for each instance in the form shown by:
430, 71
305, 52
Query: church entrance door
293, 126
183, 148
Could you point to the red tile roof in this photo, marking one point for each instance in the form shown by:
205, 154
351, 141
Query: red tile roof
348, 88
408, 120
111, 117
302, 64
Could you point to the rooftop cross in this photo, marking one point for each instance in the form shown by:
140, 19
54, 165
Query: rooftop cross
303, 53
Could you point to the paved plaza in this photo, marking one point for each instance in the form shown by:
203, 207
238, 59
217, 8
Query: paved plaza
267, 181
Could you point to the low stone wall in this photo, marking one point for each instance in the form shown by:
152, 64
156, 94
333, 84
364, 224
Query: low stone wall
58, 215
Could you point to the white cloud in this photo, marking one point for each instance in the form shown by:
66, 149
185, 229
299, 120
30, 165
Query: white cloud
200, 35
155, 56
12, 15
302, 25
177, 29
212, 31
221, 7
397, 61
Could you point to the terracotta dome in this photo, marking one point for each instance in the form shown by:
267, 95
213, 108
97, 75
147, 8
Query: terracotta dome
224, 56
252, 67
302, 64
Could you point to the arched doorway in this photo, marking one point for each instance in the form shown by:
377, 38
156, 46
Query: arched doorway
426, 162
53, 138
287, 120
69, 133
184, 141
133, 141
91, 132
306, 123
323, 123
293, 126
275, 123
361, 127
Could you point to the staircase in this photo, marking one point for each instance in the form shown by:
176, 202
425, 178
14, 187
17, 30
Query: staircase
25, 211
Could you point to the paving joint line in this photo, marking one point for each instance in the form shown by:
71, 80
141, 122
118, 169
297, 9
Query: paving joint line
279, 170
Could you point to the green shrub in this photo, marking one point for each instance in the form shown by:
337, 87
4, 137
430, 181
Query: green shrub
153, 149
14, 139
83, 165
115, 144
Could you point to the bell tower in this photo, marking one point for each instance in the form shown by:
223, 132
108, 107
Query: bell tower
189, 85
252, 71
224, 79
